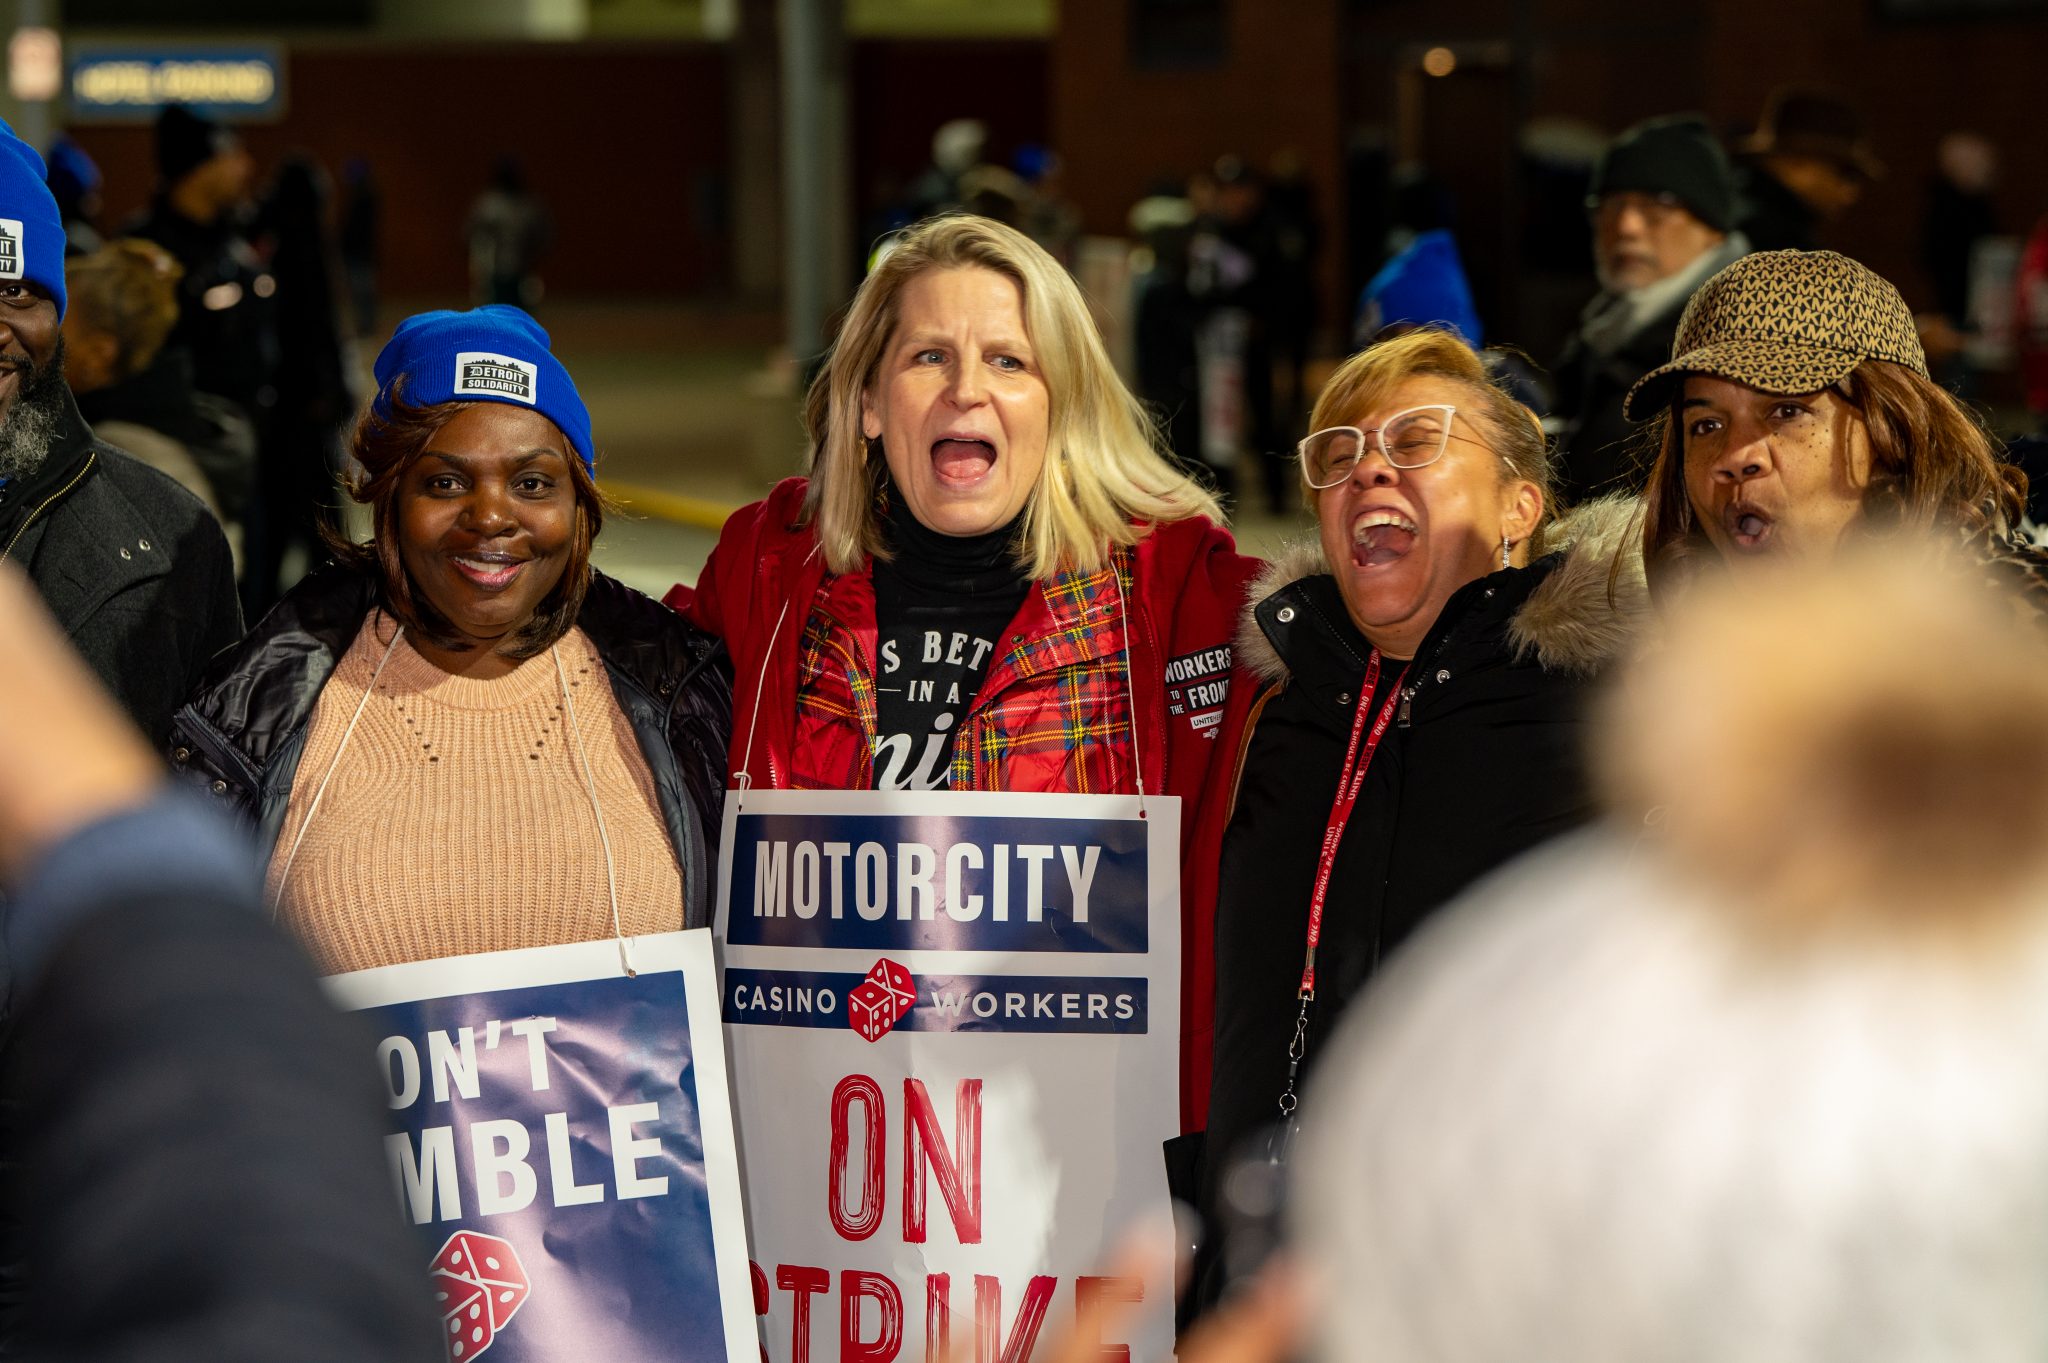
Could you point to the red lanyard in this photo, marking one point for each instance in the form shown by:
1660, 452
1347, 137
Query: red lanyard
1356, 761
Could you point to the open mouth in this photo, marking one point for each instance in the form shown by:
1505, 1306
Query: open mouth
1748, 528
1380, 537
962, 461
491, 572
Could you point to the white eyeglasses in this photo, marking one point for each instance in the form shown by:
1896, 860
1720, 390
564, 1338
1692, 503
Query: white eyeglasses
1412, 439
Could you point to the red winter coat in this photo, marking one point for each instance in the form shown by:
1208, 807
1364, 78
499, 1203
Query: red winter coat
1053, 714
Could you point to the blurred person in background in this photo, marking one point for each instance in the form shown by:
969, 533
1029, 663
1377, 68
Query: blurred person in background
1297, 245
74, 181
466, 683
1164, 319
508, 230
977, 468
1421, 285
362, 211
134, 568
1797, 415
958, 146
315, 383
2030, 324
197, 1166
1051, 219
225, 310
1663, 208
1757, 1072
1961, 211
136, 392
1807, 164
1410, 709
1236, 272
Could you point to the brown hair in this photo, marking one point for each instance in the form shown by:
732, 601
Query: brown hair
129, 290
1933, 466
385, 447
1515, 434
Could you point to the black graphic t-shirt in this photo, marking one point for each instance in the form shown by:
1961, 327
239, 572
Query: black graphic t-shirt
941, 606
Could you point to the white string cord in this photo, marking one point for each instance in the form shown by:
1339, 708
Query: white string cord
743, 780
1123, 605
320, 794
590, 787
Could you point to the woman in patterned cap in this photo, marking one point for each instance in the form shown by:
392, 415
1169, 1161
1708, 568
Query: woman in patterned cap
1797, 411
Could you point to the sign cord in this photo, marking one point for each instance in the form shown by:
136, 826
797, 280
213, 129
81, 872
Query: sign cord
611, 877
320, 793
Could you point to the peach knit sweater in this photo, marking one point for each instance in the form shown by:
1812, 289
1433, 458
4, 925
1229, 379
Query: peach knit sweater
457, 819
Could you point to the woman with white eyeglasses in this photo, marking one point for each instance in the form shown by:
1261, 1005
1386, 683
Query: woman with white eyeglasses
1410, 717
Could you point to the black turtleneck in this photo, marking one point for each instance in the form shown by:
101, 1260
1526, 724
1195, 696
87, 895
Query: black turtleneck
941, 604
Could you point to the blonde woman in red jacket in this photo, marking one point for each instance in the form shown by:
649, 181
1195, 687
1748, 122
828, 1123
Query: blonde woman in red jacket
992, 579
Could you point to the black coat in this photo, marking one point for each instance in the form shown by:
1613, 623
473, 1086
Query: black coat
243, 731
1774, 218
1483, 761
1600, 450
202, 1172
133, 566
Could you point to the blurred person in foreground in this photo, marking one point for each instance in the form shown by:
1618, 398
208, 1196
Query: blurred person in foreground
1758, 1070
1663, 207
136, 571
1410, 714
1796, 416
979, 472
136, 391
1807, 164
198, 1167
460, 737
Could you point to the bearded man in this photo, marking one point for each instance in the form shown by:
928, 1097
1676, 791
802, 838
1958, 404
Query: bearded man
134, 567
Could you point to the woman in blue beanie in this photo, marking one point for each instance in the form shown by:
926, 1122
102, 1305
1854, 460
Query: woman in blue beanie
460, 737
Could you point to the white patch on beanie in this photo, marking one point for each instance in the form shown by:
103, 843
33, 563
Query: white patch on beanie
12, 256
479, 373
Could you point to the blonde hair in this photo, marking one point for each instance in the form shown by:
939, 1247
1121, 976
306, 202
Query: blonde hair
1514, 433
129, 290
1103, 476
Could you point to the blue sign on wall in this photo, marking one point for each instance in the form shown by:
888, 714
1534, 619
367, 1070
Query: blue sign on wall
132, 82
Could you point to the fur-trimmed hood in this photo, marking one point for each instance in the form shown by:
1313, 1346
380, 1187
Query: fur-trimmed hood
1582, 616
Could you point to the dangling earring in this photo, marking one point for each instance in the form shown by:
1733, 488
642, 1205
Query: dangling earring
1504, 553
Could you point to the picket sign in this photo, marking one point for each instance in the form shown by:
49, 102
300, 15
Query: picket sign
953, 1021
562, 1137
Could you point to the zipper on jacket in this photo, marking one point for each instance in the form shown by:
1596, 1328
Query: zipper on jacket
47, 503
1420, 668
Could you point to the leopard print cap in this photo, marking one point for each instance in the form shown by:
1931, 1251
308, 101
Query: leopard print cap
1784, 322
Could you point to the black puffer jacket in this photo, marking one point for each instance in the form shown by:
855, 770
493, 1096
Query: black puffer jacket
1484, 761
243, 731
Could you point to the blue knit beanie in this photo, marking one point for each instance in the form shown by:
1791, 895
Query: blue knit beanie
489, 354
31, 230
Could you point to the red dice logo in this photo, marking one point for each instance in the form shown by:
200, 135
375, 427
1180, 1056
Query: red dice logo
478, 1283
881, 1000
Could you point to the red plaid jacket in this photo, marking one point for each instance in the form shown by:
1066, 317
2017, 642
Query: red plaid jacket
1054, 714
